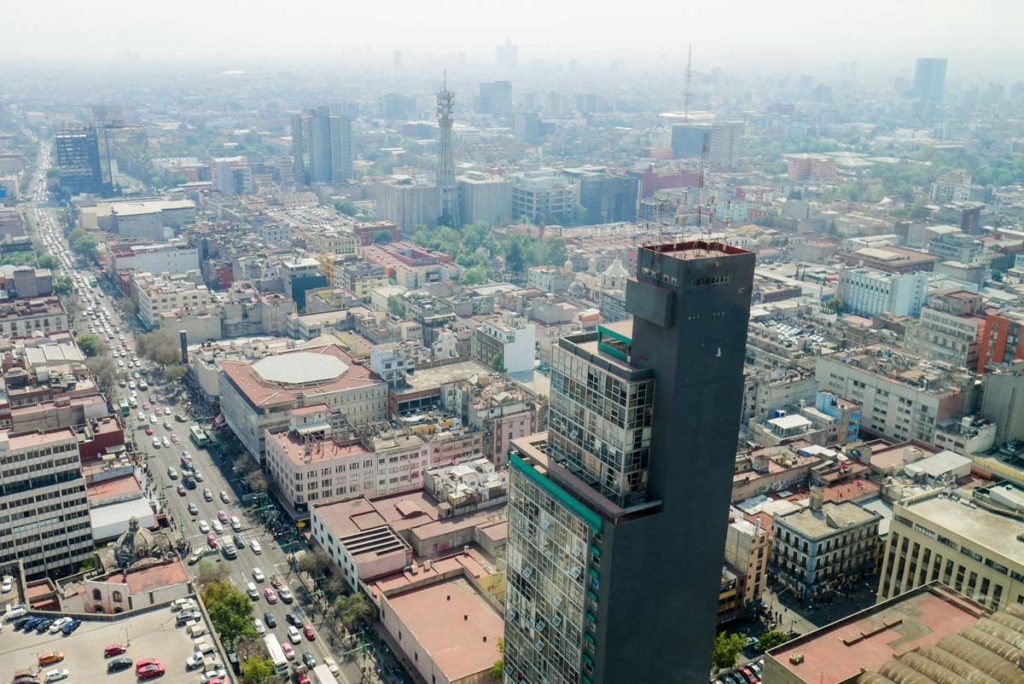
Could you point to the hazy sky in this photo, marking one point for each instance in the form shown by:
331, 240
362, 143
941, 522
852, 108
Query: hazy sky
980, 31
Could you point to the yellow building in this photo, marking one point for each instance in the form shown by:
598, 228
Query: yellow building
972, 545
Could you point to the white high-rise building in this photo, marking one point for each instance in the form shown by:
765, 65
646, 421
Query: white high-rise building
868, 292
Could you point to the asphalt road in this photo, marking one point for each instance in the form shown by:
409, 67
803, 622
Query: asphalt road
272, 560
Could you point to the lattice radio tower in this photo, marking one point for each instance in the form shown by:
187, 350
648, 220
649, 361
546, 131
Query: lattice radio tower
446, 159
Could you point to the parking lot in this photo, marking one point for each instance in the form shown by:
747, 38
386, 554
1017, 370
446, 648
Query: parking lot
148, 635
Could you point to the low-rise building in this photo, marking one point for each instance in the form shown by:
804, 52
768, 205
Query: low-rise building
25, 317
824, 546
506, 344
258, 397
869, 292
158, 259
158, 296
930, 634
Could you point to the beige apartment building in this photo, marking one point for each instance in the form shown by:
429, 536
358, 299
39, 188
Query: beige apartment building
973, 545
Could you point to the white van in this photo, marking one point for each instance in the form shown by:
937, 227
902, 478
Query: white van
14, 612
196, 629
182, 604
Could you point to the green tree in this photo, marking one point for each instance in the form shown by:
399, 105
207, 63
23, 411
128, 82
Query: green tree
160, 346
346, 207
771, 639
48, 261
103, 369
62, 285
497, 671
19, 259
382, 237
727, 649
554, 251
314, 562
475, 275
90, 344
258, 670
174, 372
83, 244
353, 609
230, 611
514, 259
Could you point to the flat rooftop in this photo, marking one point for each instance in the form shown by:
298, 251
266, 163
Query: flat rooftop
868, 639
115, 486
312, 372
152, 635
431, 378
831, 519
319, 449
986, 529
453, 624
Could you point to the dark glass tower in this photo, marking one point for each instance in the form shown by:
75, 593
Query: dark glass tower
617, 514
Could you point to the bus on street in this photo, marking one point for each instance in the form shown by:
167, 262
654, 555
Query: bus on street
198, 436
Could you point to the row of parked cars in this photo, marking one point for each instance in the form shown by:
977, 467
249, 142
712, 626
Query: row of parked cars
746, 674
43, 625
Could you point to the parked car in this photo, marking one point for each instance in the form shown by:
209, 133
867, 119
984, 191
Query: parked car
258, 575
150, 672
118, 664
286, 594
253, 592
114, 650
261, 629
43, 626
8, 584
271, 595
58, 624
211, 540
71, 627
50, 657
56, 675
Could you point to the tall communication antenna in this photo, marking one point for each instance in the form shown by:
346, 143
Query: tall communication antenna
446, 158
689, 74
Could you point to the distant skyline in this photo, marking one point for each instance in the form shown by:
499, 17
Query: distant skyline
981, 36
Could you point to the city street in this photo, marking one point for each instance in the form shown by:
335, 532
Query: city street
155, 462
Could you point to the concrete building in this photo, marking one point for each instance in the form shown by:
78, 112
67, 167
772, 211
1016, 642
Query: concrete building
153, 220
901, 398
78, 161
1002, 387
23, 317
544, 197
159, 259
257, 397
486, 198
969, 543
868, 292
321, 147
408, 202
954, 186
496, 98
593, 499
810, 167
44, 499
928, 636
824, 547
231, 176
1001, 341
407, 264
507, 344
944, 336
157, 296
748, 548
930, 78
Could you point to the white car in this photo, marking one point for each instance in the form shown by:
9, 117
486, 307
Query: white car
166, 442
224, 497
156, 442
255, 546
58, 623
152, 418
331, 665
236, 524
260, 627
294, 635
211, 675
167, 410
258, 575
217, 527
204, 527
56, 675
198, 475
7, 585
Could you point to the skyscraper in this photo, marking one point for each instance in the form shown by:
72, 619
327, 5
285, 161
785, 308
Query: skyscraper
321, 147
930, 78
78, 160
507, 55
446, 159
618, 514
496, 98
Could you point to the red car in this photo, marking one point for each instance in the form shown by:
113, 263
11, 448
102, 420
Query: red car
150, 672
114, 650
211, 539
308, 631
270, 594
145, 662
149, 431
289, 652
